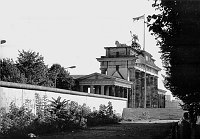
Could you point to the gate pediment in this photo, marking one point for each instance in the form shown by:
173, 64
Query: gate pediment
102, 79
96, 76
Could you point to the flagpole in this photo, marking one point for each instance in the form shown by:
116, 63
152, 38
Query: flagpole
145, 73
144, 34
145, 85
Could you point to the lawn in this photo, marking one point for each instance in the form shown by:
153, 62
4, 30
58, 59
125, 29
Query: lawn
119, 131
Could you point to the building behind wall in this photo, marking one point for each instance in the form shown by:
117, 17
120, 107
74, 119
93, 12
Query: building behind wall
133, 65
123, 72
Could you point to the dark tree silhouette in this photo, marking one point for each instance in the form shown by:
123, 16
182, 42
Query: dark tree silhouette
9, 72
177, 27
32, 66
61, 77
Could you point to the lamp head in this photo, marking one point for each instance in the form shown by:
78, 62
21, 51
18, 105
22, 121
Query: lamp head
3, 41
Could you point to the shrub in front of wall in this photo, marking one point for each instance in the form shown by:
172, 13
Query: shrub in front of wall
16, 122
69, 115
105, 115
59, 116
78, 114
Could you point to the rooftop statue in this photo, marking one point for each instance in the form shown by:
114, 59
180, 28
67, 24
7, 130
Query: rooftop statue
134, 40
120, 44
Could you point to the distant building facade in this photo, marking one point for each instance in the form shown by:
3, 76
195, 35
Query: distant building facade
167, 98
123, 72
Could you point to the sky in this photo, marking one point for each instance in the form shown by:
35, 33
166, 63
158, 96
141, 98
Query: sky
73, 32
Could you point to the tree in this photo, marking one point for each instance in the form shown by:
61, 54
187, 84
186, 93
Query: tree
61, 77
32, 65
9, 72
177, 28
57, 106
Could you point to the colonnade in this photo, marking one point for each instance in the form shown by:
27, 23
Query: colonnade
151, 90
109, 90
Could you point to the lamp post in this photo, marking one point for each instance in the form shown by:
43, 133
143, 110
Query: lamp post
2, 42
71, 67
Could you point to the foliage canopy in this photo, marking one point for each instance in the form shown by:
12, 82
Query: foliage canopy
30, 68
61, 78
9, 72
177, 28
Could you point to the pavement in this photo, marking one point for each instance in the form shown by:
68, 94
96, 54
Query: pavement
150, 121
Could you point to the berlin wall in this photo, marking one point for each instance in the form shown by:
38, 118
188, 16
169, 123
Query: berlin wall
23, 93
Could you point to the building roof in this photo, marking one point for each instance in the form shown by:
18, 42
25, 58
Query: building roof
102, 79
141, 60
77, 76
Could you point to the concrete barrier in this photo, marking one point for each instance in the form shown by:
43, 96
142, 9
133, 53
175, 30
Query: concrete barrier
21, 93
151, 113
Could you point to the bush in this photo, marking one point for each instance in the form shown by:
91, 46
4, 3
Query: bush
104, 116
78, 114
16, 122
58, 116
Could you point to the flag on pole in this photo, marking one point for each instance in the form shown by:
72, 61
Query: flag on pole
138, 18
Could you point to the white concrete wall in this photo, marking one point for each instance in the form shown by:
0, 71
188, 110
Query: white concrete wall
19, 93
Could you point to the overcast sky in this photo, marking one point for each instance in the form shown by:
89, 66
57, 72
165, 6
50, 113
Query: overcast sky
73, 32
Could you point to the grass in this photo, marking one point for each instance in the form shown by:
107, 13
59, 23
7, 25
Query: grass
119, 131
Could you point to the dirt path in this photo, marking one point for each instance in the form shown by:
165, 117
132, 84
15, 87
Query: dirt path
119, 131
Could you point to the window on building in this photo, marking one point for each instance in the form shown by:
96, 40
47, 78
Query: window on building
117, 54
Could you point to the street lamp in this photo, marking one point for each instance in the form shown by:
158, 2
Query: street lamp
71, 67
3, 41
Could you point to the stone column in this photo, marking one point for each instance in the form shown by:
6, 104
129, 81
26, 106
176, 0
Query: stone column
153, 91
138, 89
156, 89
148, 90
125, 92
91, 89
107, 90
102, 89
133, 92
129, 91
142, 90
